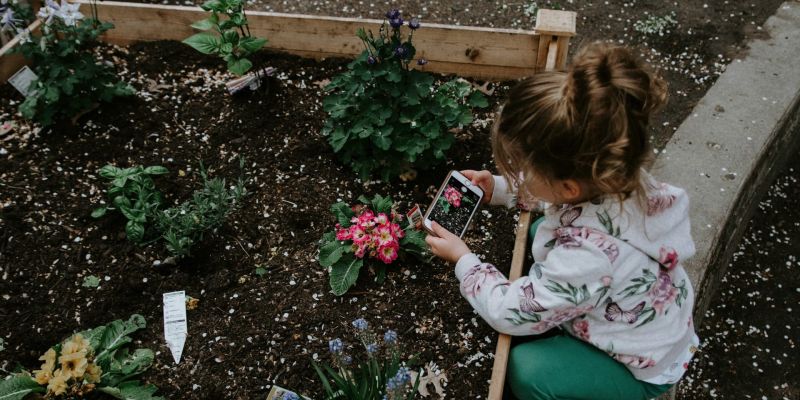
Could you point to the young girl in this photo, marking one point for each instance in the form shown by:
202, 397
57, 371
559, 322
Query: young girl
608, 250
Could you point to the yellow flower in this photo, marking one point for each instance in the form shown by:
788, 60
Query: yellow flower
58, 383
43, 375
93, 372
76, 344
75, 364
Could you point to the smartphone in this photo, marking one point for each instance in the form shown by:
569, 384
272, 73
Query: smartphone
454, 205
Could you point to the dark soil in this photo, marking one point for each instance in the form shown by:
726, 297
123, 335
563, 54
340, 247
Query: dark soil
691, 55
750, 340
249, 331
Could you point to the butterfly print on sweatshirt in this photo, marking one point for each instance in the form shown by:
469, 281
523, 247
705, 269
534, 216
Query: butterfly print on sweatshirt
614, 312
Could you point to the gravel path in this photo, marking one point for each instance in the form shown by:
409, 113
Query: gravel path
750, 335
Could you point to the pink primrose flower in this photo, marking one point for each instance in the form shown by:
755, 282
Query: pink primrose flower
381, 219
383, 235
387, 254
358, 234
359, 250
452, 196
397, 231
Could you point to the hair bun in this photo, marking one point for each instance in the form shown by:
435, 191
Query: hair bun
599, 68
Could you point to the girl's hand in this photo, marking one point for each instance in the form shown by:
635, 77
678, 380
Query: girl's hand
446, 245
484, 180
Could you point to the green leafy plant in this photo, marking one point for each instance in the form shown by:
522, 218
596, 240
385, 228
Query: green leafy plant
370, 231
133, 192
91, 281
229, 37
382, 376
98, 359
655, 25
71, 79
184, 225
383, 116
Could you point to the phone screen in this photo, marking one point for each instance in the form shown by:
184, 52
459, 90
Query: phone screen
454, 207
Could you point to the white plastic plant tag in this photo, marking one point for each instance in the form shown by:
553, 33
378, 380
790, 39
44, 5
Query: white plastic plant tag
22, 79
175, 327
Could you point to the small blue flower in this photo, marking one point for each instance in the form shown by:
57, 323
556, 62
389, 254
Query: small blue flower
414, 23
403, 375
390, 337
372, 348
396, 22
361, 324
393, 14
335, 346
346, 359
422, 61
371, 60
401, 51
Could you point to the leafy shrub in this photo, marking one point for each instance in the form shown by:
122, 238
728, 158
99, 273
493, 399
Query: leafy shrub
94, 360
231, 39
384, 117
370, 231
184, 225
381, 376
133, 192
655, 25
70, 77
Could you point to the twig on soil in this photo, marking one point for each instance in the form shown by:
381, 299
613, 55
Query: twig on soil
287, 201
240, 245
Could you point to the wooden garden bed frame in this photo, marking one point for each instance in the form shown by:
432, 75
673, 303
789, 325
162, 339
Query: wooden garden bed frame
484, 53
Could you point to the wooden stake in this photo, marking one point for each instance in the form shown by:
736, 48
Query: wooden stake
555, 28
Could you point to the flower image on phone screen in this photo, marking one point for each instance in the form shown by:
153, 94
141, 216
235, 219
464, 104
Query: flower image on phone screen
454, 208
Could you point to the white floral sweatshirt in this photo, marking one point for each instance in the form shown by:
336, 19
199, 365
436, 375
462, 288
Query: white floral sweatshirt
608, 275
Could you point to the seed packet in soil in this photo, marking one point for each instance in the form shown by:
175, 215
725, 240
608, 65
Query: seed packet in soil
415, 217
279, 393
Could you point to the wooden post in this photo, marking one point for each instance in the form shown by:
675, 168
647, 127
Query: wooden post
554, 29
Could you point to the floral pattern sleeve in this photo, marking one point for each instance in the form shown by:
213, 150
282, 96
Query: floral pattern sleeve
571, 282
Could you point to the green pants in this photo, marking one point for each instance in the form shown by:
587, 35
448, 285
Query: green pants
562, 367
558, 366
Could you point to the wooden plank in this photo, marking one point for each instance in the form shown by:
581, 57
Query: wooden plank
541, 53
497, 382
552, 52
555, 22
563, 49
472, 51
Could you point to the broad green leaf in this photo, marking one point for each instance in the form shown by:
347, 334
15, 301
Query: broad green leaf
132, 214
115, 336
343, 213
125, 366
156, 170
212, 5
99, 212
19, 386
252, 44
477, 99
134, 231
132, 390
381, 204
344, 274
239, 66
414, 242
204, 24
205, 43
330, 253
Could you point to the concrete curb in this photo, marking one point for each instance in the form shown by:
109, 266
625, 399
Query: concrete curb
728, 151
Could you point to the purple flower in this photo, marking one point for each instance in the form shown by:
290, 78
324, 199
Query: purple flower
414, 23
393, 14
390, 337
401, 51
372, 348
422, 61
335, 346
371, 60
346, 359
396, 22
361, 324
290, 396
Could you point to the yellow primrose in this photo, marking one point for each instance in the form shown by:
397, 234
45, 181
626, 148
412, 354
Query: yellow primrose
58, 383
93, 373
76, 344
74, 364
43, 375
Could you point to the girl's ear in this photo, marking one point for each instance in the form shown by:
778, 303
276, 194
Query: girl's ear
571, 190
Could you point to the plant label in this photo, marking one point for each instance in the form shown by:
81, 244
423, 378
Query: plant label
22, 79
414, 216
278, 393
175, 327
